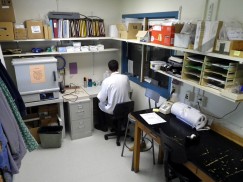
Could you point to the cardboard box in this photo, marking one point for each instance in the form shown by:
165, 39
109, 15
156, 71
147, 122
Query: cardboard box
143, 36
130, 32
185, 38
206, 35
163, 35
235, 53
20, 33
156, 34
6, 31
227, 46
34, 29
45, 30
222, 46
7, 11
35, 134
50, 33
49, 121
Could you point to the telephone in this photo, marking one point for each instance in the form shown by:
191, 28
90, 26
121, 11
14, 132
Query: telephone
165, 108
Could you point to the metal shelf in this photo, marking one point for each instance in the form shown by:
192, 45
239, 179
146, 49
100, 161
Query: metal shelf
58, 53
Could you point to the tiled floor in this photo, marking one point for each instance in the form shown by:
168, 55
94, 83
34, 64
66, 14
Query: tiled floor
89, 159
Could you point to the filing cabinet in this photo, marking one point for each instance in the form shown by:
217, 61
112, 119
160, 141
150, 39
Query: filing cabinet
78, 115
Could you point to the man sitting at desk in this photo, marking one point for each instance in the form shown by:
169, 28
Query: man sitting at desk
114, 89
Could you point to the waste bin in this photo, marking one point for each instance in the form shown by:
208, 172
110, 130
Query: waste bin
50, 136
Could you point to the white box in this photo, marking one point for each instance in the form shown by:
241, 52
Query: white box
181, 40
156, 65
206, 34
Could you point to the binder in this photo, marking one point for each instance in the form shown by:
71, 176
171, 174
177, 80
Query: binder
66, 29
51, 26
55, 28
60, 22
72, 28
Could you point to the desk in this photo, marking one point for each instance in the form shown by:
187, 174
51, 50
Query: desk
213, 158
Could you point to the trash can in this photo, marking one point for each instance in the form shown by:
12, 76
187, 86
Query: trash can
50, 136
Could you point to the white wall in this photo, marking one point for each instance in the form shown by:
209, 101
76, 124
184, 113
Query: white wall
38, 9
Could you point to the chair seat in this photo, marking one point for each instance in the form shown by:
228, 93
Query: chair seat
120, 117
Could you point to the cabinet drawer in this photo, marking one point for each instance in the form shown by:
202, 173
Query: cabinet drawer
80, 128
80, 109
80, 125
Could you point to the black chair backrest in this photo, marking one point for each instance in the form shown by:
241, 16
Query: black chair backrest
177, 151
123, 109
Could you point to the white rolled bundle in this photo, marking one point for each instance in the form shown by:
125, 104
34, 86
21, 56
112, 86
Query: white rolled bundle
190, 115
113, 32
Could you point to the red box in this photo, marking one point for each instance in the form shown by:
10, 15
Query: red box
163, 35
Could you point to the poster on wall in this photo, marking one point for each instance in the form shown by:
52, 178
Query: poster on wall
37, 74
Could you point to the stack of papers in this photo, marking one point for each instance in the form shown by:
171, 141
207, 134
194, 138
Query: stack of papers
152, 118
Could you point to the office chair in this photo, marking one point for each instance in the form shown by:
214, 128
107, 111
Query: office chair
119, 117
174, 157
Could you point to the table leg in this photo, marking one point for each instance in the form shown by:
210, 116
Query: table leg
161, 154
136, 151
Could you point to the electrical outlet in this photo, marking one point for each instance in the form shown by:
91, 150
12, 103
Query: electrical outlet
202, 100
189, 96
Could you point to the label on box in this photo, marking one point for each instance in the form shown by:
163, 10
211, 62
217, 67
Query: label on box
157, 28
236, 53
35, 29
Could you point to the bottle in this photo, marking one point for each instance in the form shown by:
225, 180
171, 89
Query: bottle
85, 82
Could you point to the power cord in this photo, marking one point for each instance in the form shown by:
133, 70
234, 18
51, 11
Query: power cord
73, 93
221, 116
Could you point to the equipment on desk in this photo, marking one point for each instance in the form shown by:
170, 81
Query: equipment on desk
37, 78
165, 108
189, 115
61, 86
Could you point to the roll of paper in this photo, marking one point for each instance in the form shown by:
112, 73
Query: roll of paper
188, 114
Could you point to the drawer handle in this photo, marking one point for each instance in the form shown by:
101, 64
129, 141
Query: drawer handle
80, 111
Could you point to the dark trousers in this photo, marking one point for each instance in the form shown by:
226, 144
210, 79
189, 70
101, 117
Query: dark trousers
102, 118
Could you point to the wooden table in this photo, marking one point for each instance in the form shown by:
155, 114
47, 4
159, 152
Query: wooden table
141, 125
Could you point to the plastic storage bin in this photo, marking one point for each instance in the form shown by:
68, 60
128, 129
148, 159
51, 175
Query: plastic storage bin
50, 136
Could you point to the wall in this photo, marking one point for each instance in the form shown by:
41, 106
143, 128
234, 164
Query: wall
192, 11
36, 9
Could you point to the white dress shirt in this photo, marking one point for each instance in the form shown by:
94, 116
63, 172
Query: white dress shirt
114, 89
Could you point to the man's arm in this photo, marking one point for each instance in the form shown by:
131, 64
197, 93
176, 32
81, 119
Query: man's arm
102, 95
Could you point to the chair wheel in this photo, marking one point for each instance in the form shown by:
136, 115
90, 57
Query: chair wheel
118, 143
106, 137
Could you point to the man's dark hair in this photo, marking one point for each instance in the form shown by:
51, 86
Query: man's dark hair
113, 65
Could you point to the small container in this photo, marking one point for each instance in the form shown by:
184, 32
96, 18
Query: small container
85, 82
90, 83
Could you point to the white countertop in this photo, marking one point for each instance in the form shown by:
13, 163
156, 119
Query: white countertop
92, 91
74, 95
